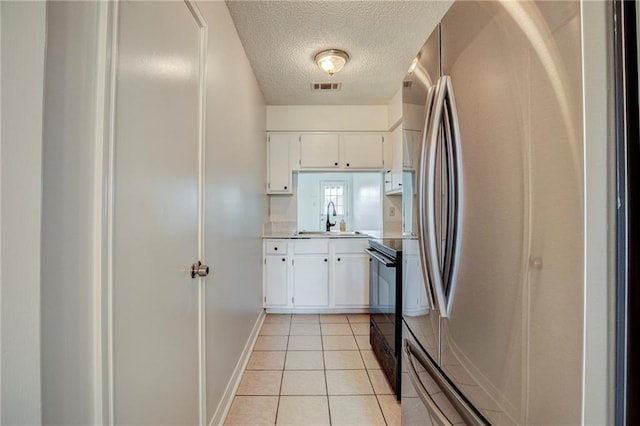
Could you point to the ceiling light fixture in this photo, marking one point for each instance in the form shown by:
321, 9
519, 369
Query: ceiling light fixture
331, 61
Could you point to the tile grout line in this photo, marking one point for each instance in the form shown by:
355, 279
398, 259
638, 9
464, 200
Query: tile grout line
371, 382
324, 372
282, 374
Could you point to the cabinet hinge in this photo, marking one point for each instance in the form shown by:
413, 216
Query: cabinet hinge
265, 299
291, 261
269, 185
299, 138
299, 162
292, 299
383, 139
265, 260
269, 139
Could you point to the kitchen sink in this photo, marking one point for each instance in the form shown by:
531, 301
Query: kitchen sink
332, 233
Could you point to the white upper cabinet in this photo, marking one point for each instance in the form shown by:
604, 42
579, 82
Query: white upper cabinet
411, 149
320, 151
362, 151
393, 179
279, 164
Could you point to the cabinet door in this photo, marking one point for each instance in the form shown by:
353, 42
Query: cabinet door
396, 167
275, 281
351, 280
415, 293
320, 151
311, 280
363, 151
411, 140
278, 164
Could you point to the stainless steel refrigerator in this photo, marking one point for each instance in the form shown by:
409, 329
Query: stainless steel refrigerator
493, 199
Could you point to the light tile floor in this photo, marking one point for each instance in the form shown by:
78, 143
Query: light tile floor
314, 370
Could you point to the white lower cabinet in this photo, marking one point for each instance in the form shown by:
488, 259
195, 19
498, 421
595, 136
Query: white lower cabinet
351, 280
323, 275
414, 301
276, 292
311, 281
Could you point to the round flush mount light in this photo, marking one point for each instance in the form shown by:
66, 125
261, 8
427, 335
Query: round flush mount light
331, 61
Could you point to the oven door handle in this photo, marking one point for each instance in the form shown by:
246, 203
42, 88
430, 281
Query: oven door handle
381, 258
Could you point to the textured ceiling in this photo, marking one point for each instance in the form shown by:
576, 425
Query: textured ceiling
382, 37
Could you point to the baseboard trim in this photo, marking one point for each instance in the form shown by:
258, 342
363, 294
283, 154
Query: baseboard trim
225, 403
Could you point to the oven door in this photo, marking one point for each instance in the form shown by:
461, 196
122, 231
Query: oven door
382, 295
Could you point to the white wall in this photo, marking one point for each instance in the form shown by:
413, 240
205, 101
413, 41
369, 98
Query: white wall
70, 386
330, 118
236, 206
23, 44
394, 109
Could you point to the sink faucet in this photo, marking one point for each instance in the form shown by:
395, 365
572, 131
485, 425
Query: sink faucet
328, 223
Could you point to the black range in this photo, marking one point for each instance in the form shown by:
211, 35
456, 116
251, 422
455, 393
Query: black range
385, 298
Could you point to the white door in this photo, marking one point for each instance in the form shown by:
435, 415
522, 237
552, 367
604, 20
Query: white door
351, 280
275, 277
156, 214
311, 280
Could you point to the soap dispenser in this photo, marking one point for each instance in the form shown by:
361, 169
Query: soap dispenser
343, 225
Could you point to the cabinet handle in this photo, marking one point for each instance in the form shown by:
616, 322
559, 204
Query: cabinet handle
335, 164
387, 181
347, 164
338, 259
325, 260
284, 260
285, 187
275, 248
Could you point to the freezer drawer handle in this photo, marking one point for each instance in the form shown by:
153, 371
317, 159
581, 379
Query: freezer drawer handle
467, 413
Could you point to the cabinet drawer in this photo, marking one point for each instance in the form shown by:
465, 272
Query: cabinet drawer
275, 247
350, 246
311, 247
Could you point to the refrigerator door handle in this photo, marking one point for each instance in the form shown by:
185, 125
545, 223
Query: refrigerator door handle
461, 406
443, 116
422, 177
429, 234
455, 193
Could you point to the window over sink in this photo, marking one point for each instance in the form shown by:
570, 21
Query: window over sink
357, 197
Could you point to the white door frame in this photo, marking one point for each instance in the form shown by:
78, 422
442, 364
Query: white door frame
104, 208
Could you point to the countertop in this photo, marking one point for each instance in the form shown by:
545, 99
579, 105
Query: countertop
296, 236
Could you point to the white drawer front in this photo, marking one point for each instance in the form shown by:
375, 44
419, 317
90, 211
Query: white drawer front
311, 247
350, 246
275, 247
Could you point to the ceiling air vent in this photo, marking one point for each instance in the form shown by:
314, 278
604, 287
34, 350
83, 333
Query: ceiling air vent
407, 84
326, 87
